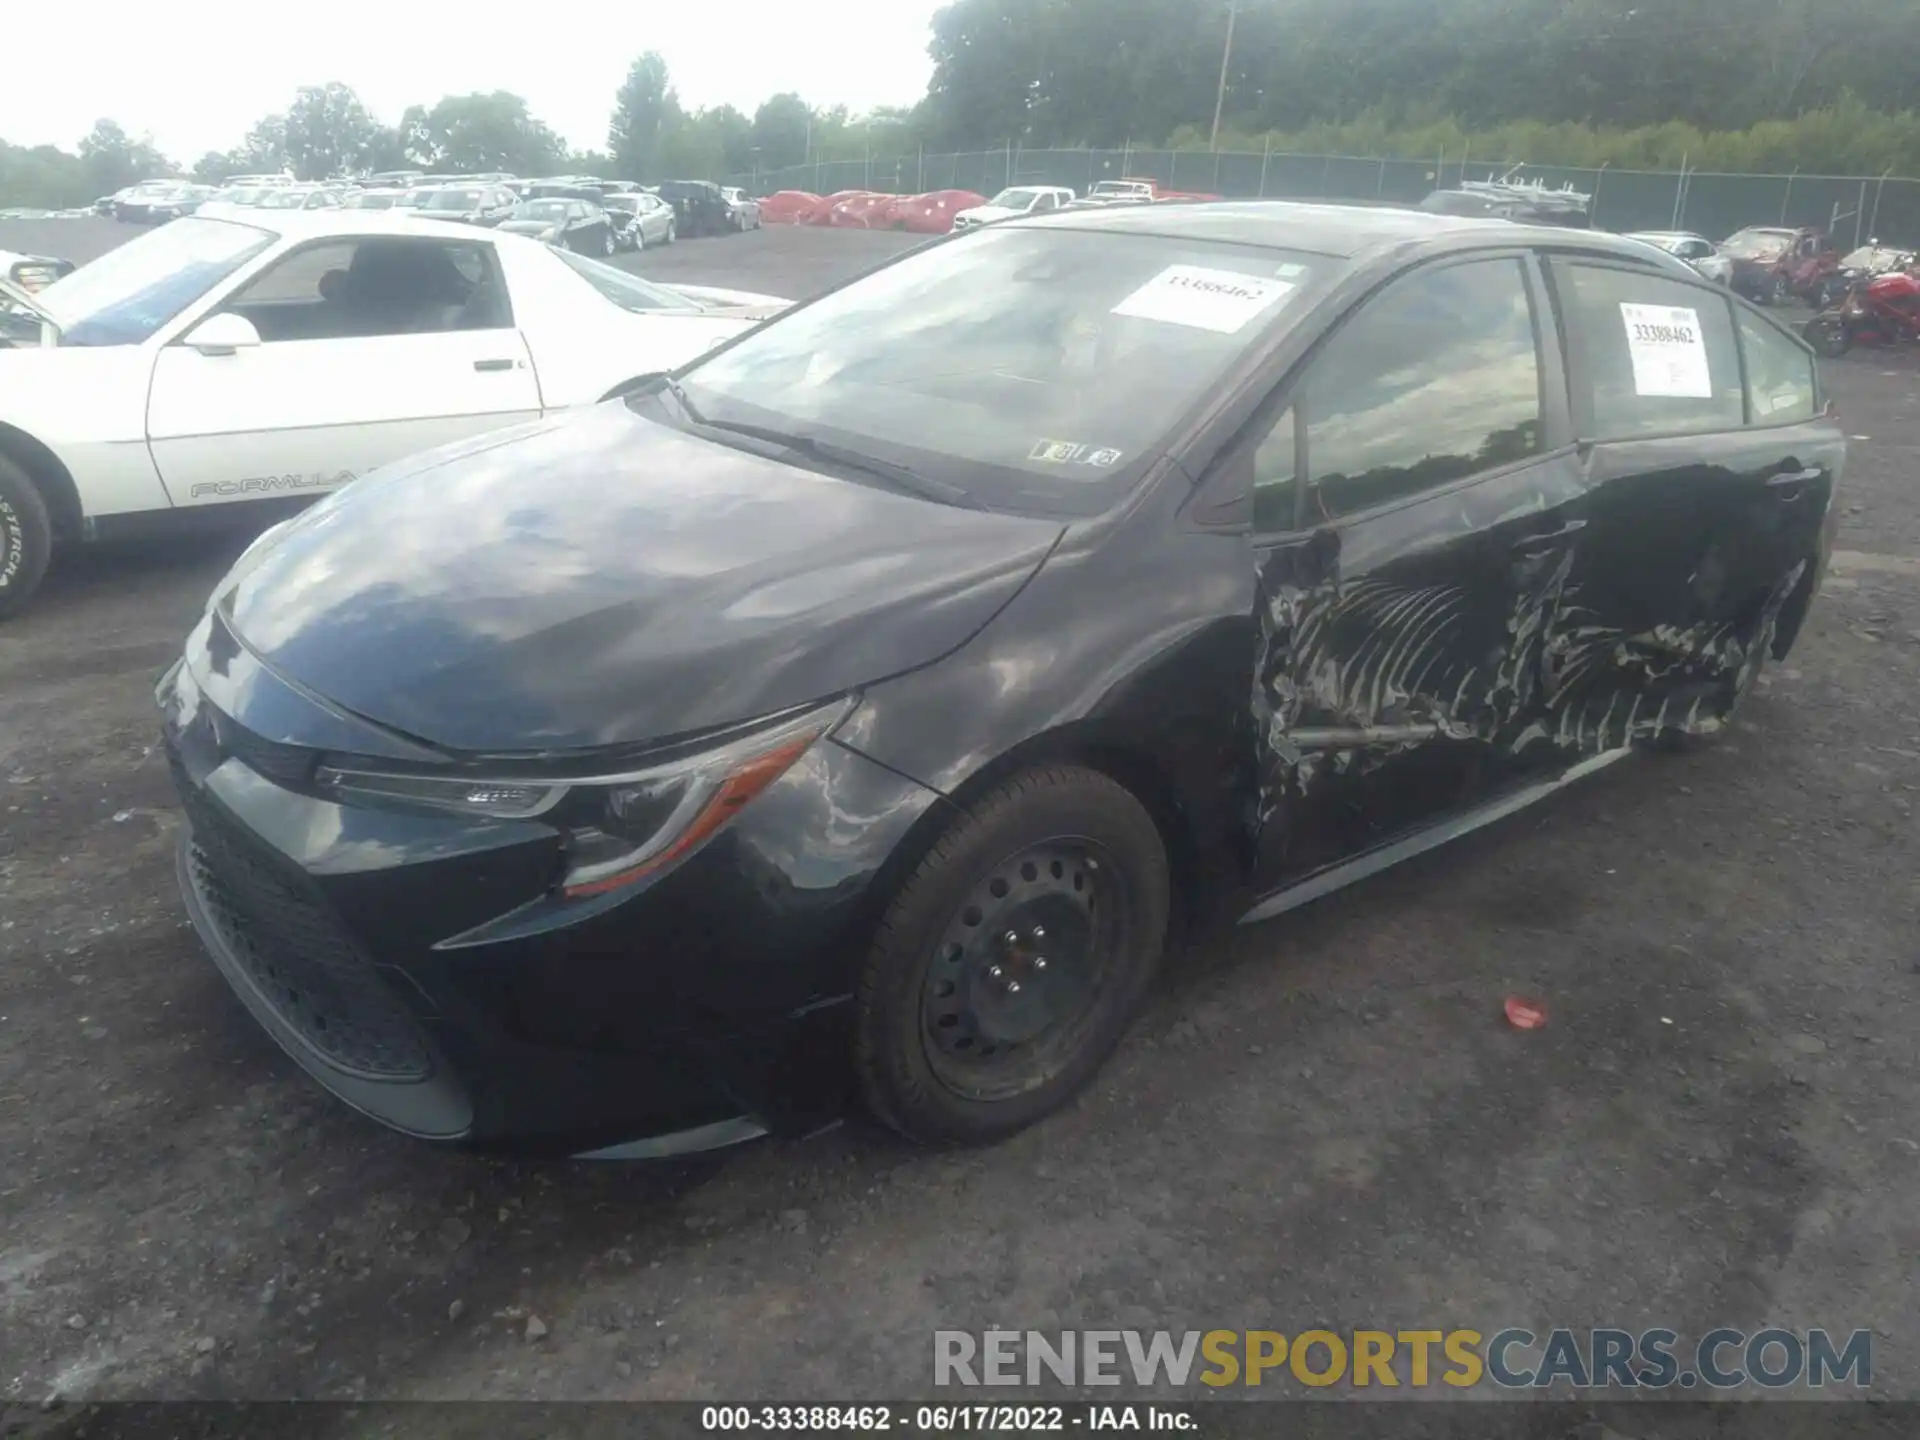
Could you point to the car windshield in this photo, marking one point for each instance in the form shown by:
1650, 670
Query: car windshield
629, 292
540, 210
453, 200
1758, 244
1016, 199
1039, 370
622, 202
284, 199
366, 201
413, 199
239, 197
127, 294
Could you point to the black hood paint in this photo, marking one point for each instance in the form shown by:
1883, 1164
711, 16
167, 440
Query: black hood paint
603, 579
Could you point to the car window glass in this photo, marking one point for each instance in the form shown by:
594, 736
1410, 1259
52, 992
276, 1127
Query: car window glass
377, 286
1780, 374
1274, 486
1435, 379
627, 291
1659, 353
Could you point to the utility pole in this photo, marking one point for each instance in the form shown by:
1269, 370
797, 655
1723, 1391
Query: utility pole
1226, 56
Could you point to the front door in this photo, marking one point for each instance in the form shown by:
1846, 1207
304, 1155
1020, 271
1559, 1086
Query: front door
1710, 476
1406, 589
371, 348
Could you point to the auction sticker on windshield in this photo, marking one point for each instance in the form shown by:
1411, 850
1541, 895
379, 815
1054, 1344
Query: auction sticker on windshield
1669, 352
1219, 300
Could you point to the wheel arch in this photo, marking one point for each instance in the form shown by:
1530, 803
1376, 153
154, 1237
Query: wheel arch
50, 477
1129, 762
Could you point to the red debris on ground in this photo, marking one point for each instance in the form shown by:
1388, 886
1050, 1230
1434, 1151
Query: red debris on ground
1525, 1014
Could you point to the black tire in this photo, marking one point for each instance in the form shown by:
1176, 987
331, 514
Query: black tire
1829, 335
26, 538
1781, 291
671, 229
610, 244
1060, 843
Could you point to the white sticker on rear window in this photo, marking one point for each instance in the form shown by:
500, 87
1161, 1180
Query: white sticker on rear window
1219, 300
1669, 352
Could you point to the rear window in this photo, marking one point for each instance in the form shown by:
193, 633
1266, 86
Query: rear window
1659, 355
629, 292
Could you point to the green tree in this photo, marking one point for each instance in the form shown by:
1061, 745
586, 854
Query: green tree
782, 130
328, 132
111, 160
645, 111
480, 132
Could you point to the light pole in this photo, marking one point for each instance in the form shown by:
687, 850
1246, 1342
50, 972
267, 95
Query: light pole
1226, 56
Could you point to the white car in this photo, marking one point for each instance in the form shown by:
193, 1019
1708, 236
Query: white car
1015, 201
219, 361
744, 209
1698, 251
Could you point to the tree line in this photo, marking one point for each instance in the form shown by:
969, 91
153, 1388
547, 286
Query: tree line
1813, 85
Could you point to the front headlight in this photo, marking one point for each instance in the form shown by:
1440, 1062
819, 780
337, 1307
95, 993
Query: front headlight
619, 827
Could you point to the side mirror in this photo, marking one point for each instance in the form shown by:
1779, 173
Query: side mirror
223, 335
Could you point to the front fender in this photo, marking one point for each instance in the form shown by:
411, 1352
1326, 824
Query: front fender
87, 406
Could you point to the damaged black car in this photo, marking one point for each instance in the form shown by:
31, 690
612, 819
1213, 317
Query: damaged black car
856, 715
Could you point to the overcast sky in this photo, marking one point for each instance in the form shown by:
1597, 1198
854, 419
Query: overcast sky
197, 73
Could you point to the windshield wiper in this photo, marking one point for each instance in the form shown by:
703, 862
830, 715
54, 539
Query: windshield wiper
825, 452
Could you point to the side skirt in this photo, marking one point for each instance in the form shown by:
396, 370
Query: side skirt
1371, 862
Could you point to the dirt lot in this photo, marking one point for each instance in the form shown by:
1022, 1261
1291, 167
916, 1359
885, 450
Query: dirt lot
1323, 1122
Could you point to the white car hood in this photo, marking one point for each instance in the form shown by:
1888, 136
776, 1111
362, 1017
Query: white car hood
741, 304
987, 214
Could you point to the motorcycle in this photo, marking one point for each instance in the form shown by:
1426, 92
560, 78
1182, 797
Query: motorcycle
1879, 310
1858, 266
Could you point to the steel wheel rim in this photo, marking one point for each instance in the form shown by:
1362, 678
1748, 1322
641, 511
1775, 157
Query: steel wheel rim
1017, 973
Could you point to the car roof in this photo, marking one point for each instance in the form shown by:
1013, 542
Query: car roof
1347, 232
345, 224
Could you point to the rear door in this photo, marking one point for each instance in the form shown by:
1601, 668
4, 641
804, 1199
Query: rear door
1404, 588
364, 357
1710, 477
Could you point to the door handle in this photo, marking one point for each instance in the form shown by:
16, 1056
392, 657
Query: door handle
1534, 544
493, 364
1793, 479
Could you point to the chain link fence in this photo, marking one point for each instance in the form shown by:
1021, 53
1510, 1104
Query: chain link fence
1853, 208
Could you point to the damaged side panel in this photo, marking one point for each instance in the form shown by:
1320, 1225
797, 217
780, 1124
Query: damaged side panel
1481, 639
1400, 657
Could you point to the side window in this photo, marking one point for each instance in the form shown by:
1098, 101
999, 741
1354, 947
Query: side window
1435, 379
1659, 354
1275, 488
362, 289
1780, 374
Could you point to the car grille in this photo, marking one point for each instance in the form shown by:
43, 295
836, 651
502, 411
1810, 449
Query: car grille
296, 954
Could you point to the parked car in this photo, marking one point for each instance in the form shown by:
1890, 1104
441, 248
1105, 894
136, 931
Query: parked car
643, 219
394, 179
238, 196
699, 207
581, 226
857, 710
1777, 264
155, 201
1858, 267
414, 198
375, 200
306, 197
280, 353
1119, 192
1696, 250
743, 208
470, 204
1015, 201
33, 273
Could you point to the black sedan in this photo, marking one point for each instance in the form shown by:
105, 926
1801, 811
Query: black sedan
579, 225
859, 712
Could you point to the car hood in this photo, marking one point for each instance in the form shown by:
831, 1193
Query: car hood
987, 214
602, 579
530, 227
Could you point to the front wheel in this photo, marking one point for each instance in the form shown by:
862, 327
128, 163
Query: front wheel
671, 231
1829, 335
1781, 291
26, 538
1007, 966
609, 244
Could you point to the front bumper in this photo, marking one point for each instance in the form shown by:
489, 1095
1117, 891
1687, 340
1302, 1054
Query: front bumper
423, 970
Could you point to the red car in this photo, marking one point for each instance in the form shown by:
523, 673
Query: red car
1776, 264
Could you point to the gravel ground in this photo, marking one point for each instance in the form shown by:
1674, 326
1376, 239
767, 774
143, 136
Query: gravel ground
1324, 1121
